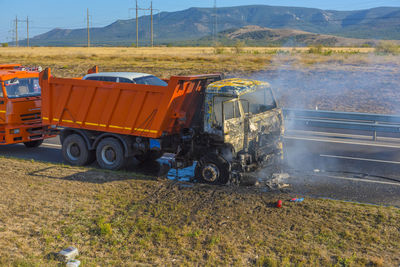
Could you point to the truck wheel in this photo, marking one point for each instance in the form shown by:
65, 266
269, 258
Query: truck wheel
75, 151
32, 144
212, 169
110, 154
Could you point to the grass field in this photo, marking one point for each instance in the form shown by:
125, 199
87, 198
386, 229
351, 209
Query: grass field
164, 62
125, 219
367, 82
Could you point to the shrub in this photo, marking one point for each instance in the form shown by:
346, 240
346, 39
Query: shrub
387, 47
315, 49
366, 45
218, 48
238, 47
4, 45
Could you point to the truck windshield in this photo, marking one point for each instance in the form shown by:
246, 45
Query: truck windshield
22, 87
259, 101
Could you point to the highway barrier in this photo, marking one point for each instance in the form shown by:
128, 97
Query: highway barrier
299, 118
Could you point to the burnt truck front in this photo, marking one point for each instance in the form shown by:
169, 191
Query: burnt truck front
244, 126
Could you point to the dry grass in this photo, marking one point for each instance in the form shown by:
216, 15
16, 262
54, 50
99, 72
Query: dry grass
164, 62
125, 219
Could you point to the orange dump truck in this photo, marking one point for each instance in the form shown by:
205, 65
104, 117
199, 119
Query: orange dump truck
198, 118
20, 107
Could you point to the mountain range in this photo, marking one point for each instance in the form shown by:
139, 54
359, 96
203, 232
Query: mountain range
197, 23
261, 36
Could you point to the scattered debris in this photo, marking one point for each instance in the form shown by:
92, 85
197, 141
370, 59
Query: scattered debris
68, 254
277, 181
73, 263
297, 199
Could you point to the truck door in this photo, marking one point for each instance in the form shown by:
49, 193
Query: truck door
2, 105
233, 118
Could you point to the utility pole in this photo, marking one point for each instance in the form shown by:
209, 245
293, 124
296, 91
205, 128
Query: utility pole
16, 31
27, 31
88, 31
215, 22
137, 26
151, 9
151, 23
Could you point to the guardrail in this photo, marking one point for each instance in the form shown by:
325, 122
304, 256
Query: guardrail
343, 120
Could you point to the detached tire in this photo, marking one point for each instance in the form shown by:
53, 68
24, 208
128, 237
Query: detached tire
32, 144
212, 169
110, 154
75, 151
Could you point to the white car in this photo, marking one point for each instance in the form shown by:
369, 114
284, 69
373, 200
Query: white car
126, 77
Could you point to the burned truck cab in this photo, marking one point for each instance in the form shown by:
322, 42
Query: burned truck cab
244, 126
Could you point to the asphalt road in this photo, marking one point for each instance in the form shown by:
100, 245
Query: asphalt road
345, 168
319, 165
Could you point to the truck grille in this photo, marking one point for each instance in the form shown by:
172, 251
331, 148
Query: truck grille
31, 117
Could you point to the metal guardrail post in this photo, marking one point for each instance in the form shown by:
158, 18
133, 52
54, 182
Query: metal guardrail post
374, 137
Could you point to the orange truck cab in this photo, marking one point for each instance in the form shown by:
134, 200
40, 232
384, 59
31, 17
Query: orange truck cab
20, 107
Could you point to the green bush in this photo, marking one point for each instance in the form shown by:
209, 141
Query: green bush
315, 49
238, 47
218, 48
387, 47
4, 45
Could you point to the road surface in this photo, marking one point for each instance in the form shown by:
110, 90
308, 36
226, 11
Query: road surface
323, 166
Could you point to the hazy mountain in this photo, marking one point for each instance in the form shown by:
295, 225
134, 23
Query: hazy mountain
194, 23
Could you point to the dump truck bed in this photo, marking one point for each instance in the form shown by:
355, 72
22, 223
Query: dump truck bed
122, 108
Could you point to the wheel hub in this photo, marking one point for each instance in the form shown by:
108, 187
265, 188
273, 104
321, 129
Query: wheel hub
210, 172
108, 154
73, 151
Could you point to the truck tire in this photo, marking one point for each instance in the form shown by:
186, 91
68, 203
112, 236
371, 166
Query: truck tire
75, 151
212, 169
32, 144
110, 154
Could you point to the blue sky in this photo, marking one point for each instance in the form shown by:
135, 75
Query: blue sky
45, 15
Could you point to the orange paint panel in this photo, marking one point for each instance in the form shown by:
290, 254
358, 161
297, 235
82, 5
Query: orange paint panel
135, 109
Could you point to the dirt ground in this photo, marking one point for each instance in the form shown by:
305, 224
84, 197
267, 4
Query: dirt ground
126, 219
